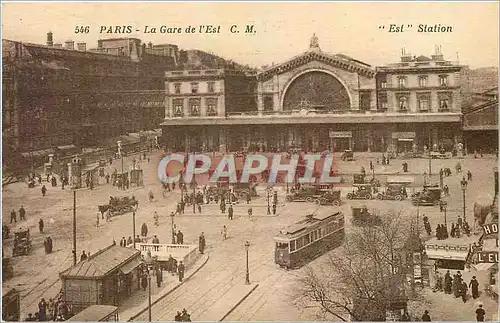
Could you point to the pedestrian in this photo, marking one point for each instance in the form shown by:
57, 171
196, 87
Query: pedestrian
201, 243
42, 310
249, 198
180, 271
426, 317
249, 211
156, 219
40, 226
185, 316
447, 282
469, 175
459, 221
159, 277
474, 287
144, 281
230, 212
129, 241
180, 237
274, 209
123, 242
13, 216
199, 207
44, 190
156, 240
224, 232
463, 291
98, 217
22, 213
144, 230
107, 178
480, 313
177, 317
83, 256
49, 244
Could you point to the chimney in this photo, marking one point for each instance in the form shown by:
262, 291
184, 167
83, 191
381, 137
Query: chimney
405, 57
82, 47
70, 45
50, 41
438, 55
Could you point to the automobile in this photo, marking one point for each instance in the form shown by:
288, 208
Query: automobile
361, 216
331, 197
304, 194
362, 192
429, 196
347, 155
22, 243
393, 192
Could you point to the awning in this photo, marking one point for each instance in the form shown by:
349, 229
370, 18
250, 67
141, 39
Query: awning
66, 147
446, 255
130, 266
405, 139
483, 266
403, 135
38, 153
400, 180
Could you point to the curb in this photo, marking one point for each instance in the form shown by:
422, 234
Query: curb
239, 303
169, 292
236, 216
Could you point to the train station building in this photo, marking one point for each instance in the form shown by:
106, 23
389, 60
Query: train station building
317, 101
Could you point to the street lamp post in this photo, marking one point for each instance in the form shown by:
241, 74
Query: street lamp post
172, 215
74, 227
268, 206
444, 206
149, 296
463, 183
133, 227
247, 278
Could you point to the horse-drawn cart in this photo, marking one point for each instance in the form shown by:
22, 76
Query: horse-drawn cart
119, 205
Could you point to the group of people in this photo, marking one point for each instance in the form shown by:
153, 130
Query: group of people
182, 316
52, 310
456, 285
22, 215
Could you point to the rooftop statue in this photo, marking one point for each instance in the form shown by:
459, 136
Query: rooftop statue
314, 44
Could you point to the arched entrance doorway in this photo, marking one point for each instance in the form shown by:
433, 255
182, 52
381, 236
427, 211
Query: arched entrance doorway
321, 92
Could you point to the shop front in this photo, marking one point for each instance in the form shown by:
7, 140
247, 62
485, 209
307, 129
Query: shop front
404, 142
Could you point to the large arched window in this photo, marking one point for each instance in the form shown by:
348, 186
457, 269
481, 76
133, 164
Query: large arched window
316, 91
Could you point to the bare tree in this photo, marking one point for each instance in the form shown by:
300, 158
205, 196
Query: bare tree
361, 279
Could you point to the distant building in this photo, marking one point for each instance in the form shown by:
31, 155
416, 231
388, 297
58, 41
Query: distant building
54, 96
480, 122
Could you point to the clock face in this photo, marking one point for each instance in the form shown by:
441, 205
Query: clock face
316, 91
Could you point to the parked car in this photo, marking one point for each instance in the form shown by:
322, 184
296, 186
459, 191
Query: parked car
393, 192
361, 192
429, 196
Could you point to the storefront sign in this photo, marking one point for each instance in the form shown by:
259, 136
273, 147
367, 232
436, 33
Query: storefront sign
340, 134
487, 257
491, 228
403, 135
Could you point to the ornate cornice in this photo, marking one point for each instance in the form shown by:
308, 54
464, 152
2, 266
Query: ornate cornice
335, 61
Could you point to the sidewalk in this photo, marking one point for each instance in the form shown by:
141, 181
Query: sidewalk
227, 303
137, 304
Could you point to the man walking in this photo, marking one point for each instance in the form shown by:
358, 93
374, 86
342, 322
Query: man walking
22, 213
201, 243
475, 287
40, 225
480, 313
230, 212
13, 216
180, 270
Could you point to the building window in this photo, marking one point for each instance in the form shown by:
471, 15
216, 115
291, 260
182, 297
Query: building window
177, 88
194, 107
382, 102
444, 104
178, 108
403, 103
383, 84
443, 80
211, 107
402, 81
423, 103
194, 87
422, 81
268, 103
211, 87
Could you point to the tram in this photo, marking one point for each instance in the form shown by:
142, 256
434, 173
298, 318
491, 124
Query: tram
308, 239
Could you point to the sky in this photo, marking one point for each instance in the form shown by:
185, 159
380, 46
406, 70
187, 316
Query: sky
282, 30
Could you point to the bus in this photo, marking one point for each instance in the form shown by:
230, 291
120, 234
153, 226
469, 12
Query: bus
308, 239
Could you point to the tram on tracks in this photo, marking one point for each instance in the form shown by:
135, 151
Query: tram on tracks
308, 239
